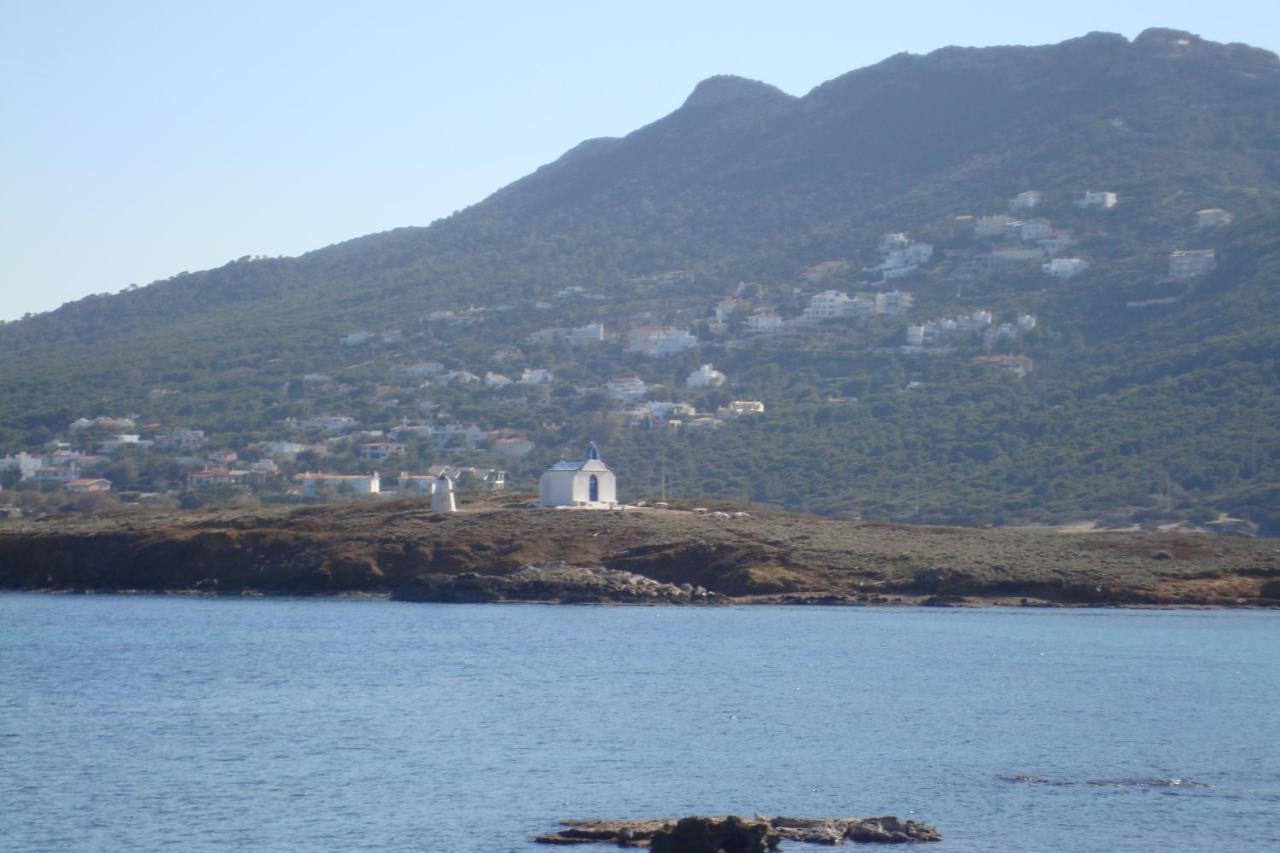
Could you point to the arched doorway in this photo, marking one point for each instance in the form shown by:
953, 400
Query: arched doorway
593, 489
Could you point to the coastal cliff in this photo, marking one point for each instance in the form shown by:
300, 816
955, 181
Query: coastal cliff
500, 549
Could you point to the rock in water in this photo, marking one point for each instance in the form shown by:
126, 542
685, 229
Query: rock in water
715, 835
739, 835
890, 830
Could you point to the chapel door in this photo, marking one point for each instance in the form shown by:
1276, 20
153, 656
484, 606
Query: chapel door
594, 489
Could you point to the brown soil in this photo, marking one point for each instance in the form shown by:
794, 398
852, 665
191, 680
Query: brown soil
769, 557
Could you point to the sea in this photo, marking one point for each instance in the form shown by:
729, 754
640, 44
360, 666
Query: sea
177, 723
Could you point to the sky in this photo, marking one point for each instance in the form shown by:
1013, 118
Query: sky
143, 139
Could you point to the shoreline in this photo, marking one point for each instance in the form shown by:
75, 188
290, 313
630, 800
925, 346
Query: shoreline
500, 551
968, 603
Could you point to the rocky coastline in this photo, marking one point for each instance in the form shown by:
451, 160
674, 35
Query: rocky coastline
496, 551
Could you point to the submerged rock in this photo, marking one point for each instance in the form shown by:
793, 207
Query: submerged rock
733, 834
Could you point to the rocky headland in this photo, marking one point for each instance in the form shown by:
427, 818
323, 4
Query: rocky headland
500, 549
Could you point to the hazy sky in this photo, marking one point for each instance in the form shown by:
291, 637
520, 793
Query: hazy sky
141, 139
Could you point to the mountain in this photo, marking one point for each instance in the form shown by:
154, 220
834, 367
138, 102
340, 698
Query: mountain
1152, 396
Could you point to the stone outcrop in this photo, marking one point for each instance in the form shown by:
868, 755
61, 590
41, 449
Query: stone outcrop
553, 582
734, 834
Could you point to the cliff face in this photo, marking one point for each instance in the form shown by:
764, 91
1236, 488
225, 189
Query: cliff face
649, 555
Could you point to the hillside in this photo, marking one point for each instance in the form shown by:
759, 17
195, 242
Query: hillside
1151, 396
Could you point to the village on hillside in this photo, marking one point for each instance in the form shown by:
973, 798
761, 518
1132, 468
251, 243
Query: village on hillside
394, 410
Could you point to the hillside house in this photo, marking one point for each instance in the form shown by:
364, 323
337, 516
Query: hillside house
705, 376
896, 240
360, 485
627, 390
826, 306
61, 474
1033, 230
658, 341
1065, 267
87, 485
764, 323
1096, 199
213, 476
1025, 201
1189, 263
738, 408
1213, 217
894, 302
377, 451
180, 438
536, 376
496, 380
991, 226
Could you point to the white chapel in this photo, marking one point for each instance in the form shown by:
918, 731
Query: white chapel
585, 483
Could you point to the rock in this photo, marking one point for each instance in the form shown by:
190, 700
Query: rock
715, 835
889, 830
737, 834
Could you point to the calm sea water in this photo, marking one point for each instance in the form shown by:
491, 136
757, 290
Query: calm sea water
195, 724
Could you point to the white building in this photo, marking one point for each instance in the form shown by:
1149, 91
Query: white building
587, 483
627, 390
915, 336
1065, 267
896, 240
1213, 217
738, 408
705, 376
764, 323
1092, 198
1035, 229
991, 226
1025, 201
827, 305
660, 341
358, 484
536, 376
495, 380
894, 302
1189, 263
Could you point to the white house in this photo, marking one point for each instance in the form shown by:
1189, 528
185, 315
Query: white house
1025, 201
893, 302
496, 380
586, 483
1092, 198
536, 376
1213, 217
1189, 263
1065, 267
991, 226
705, 376
764, 323
627, 390
359, 484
